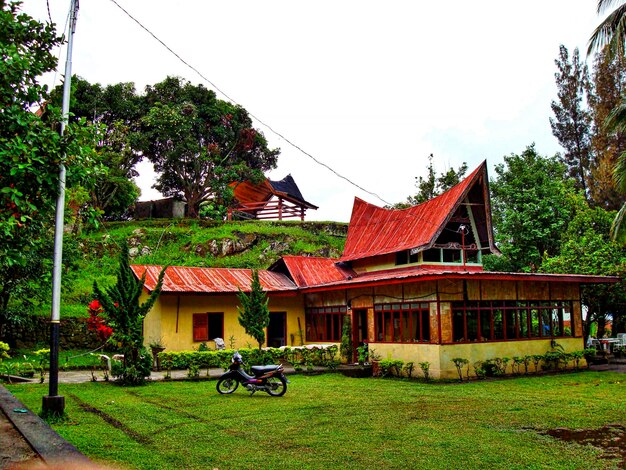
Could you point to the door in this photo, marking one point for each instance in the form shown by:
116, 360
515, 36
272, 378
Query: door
277, 330
359, 329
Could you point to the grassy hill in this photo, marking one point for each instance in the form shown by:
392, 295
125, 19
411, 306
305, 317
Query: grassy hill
176, 242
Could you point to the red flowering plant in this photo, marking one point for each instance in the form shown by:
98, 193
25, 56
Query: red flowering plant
96, 322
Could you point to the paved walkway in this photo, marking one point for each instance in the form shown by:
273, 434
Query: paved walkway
28, 442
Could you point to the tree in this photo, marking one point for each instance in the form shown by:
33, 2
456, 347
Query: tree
117, 109
433, 185
586, 248
124, 313
200, 144
572, 122
254, 314
532, 202
608, 141
30, 153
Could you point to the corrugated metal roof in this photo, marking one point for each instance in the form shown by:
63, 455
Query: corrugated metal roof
424, 273
377, 231
211, 280
309, 271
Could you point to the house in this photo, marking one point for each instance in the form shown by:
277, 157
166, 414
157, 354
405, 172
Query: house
412, 280
269, 200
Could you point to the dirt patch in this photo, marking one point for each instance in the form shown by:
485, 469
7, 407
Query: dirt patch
610, 438
134, 435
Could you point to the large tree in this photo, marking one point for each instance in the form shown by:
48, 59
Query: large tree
200, 144
609, 84
117, 109
31, 150
572, 122
532, 202
586, 248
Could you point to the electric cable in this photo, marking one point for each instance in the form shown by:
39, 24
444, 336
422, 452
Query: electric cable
260, 121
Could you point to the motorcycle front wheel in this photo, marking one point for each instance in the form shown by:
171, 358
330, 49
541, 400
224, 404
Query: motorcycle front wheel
226, 386
276, 386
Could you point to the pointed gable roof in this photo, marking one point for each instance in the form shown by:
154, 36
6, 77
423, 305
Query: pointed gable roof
375, 231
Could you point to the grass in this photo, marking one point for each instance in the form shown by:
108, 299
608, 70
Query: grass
69, 359
331, 421
186, 242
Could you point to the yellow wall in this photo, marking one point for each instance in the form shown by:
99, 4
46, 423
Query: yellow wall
440, 356
171, 319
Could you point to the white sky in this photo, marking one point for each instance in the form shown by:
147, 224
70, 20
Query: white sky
370, 88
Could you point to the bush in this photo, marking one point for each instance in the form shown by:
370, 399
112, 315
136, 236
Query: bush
391, 367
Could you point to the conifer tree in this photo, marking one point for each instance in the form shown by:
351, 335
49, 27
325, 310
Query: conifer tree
125, 315
254, 314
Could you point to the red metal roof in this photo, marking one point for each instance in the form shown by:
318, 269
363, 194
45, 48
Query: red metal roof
427, 273
308, 271
376, 231
211, 280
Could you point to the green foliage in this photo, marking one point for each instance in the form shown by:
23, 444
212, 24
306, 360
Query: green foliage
425, 366
4, 350
254, 314
433, 185
31, 150
532, 205
125, 316
459, 363
572, 123
346, 347
200, 144
391, 367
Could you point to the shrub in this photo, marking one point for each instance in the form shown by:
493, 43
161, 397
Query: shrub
425, 366
391, 367
459, 363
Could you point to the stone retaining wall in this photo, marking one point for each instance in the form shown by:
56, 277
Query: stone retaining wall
34, 332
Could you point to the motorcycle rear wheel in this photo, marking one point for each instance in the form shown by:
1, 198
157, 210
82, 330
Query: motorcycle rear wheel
276, 386
226, 386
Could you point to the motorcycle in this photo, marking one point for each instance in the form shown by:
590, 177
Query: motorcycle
270, 379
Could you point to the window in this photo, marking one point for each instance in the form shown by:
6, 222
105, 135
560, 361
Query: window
402, 322
324, 323
505, 320
406, 257
208, 326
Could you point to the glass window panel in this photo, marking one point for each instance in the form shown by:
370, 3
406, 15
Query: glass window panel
416, 326
458, 329
406, 327
425, 325
498, 324
388, 327
472, 325
546, 327
485, 324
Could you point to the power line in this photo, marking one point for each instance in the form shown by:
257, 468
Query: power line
278, 134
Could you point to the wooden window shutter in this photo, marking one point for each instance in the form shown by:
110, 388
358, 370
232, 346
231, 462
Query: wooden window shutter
200, 327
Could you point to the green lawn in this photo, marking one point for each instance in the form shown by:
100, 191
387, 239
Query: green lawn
330, 421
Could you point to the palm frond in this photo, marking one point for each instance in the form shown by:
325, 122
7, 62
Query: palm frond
618, 227
611, 32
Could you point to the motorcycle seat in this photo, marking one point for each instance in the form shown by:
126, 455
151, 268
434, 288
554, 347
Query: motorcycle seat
263, 369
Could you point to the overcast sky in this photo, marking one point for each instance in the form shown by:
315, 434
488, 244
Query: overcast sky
370, 88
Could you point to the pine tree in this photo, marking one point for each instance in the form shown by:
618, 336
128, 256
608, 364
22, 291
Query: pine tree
572, 122
125, 316
254, 314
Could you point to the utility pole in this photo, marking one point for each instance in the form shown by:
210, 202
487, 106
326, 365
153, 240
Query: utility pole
53, 403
